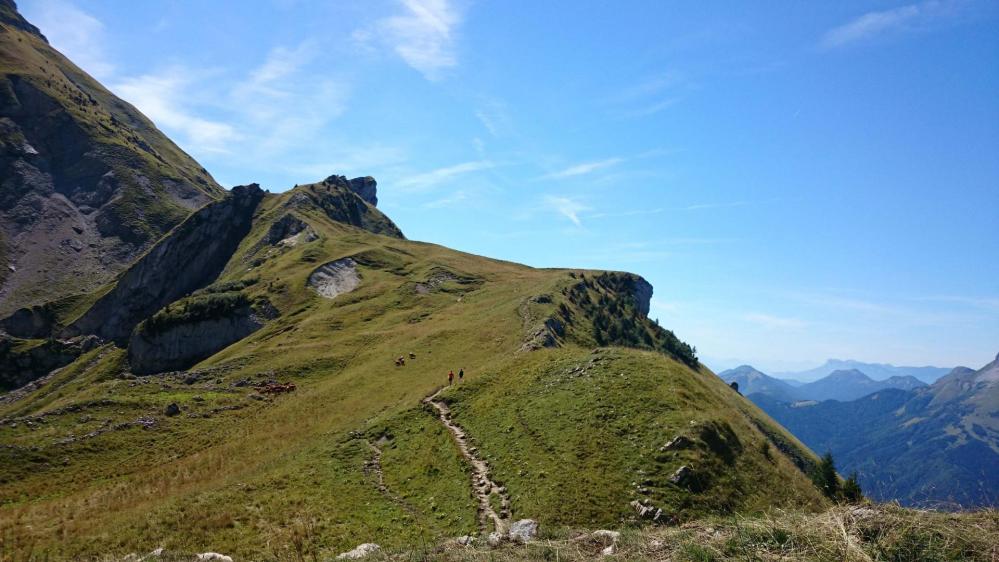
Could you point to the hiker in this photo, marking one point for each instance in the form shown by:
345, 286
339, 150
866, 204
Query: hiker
461, 374
450, 377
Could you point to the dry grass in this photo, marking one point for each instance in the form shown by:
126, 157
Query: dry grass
866, 533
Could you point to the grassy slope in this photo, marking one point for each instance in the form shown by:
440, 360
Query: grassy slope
247, 476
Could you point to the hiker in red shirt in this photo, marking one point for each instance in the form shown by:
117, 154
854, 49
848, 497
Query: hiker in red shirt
450, 377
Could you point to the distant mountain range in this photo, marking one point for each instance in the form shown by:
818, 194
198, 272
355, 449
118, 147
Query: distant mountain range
839, 385
935, 445
876, 371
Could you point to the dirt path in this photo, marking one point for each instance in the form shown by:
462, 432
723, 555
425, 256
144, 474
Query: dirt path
483, 487
373, 468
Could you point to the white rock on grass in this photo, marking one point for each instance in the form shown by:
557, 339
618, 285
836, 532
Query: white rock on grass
360, 552
465, 540
608, 538
524, 530
494, 539
213, 557
605, 535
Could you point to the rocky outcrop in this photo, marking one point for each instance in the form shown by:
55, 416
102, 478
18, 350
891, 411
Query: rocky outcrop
366, 188
335, 278
22, 361
641, 290
87, 183
34, 322
189, 258
339, 201
180, 346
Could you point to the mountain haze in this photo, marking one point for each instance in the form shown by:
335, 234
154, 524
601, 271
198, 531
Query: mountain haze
876, 371
936, 445
838, 385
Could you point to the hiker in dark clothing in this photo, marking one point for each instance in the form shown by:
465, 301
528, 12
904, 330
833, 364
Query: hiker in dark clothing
450, 377
461, 374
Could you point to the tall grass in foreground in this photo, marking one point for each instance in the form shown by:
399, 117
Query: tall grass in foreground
843, 533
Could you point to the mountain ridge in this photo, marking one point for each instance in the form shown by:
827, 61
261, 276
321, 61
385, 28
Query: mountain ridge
89, 182
933, 446
877, 371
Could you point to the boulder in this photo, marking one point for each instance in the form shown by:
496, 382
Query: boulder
681, 476
494, 539
524, 530
213, 557
172, 410
678, 442
360, 552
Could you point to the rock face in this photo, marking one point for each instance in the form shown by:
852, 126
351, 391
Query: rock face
366, 188
337, 198
642, 291
24, 361
87, 183
181, 346
34, 322
335, 278
191, 257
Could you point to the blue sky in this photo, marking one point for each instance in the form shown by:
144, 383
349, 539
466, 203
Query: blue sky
800, 181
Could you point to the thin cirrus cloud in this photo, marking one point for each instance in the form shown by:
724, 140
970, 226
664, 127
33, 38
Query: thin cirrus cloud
583, 169
74, 32
567, 207
879, 23
423, 35
433, 178
158, 97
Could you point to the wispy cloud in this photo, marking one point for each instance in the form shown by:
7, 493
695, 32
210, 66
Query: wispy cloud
77, 34
567, 207
650, 95
448, 201
874, 24
495, 117
984, 303
160, 97
770, 321
723, 205
432, 178
583, 169
423, 35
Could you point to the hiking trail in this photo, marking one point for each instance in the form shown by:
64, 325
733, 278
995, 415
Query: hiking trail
483, 487
373, 468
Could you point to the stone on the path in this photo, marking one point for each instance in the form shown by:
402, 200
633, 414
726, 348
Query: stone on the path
360, 552
494, 539
524, 530
465, 540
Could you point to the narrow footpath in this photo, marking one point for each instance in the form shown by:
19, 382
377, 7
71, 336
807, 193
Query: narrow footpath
483, 487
